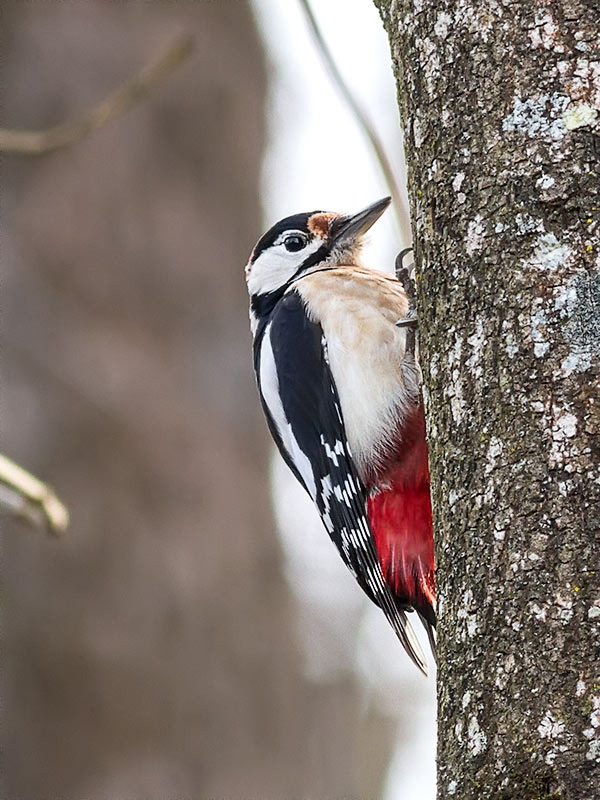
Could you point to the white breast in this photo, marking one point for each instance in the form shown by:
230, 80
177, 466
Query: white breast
357, 310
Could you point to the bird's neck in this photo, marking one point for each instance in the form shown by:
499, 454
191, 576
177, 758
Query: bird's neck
262, 305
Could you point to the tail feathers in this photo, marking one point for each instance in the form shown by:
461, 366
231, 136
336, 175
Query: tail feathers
427, 615
406, 634
408, 637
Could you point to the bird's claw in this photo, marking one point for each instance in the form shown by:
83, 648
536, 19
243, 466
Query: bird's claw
406, 275
409, 321
399, 265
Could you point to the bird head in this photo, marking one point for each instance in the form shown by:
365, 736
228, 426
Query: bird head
305, 242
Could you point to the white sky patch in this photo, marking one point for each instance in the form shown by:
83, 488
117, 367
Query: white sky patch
330, 609
317, 159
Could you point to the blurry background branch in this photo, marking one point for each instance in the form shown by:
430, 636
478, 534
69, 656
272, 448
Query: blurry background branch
364, 123
27, 497
20, 492
131, 390
117, 103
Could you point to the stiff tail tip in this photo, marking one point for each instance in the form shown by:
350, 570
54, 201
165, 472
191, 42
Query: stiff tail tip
408, 637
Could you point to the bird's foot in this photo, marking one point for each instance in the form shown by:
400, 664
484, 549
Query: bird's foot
406, 274
409, 321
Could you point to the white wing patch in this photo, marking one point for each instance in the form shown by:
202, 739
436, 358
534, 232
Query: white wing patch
333, 453
253, 322
269, 387
326, 492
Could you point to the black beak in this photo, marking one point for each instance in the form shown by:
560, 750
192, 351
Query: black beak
344, 229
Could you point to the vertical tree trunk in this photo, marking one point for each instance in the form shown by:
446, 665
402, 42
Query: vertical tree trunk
500, 108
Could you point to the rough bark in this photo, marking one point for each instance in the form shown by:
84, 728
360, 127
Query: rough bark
500, 108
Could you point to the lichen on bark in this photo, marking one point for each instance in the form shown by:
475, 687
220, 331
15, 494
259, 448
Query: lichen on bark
500, 107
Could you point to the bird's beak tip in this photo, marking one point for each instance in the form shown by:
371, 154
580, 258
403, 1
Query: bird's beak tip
355, 225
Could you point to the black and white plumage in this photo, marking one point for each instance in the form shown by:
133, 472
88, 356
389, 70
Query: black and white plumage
334, 444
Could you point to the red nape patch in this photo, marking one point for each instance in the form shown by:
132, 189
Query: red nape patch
319, 223
402, 525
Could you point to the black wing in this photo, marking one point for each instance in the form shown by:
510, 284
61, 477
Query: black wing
304, 415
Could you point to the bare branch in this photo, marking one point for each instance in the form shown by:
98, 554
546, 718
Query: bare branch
402, 214
121, 100
27, 497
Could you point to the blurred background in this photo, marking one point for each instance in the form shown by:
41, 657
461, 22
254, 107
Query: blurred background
194, 633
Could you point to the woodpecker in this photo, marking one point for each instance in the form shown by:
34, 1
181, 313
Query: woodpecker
341, 392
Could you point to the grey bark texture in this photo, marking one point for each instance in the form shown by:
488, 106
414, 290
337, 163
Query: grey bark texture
500, 106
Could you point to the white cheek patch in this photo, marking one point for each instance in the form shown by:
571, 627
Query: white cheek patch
276, 266
269, 387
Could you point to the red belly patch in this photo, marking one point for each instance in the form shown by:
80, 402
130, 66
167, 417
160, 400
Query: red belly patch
402, 525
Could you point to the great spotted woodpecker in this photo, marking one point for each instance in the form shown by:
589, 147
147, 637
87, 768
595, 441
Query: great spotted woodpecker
340, 389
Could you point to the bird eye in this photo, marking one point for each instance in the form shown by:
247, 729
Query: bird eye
294, 243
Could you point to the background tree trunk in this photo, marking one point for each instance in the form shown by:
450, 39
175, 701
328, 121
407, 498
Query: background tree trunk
500, 108
150, 653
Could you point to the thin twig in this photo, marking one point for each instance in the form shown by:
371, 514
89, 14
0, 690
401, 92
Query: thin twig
117, 103
27, 497
364, 122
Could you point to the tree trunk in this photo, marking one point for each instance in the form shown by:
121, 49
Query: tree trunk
500, 108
